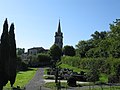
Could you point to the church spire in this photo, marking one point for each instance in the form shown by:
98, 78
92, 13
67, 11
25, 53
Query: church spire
59, 27
59, 36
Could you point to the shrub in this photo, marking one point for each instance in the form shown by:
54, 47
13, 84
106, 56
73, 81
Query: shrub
71, 82
21, 65
44, 59
72, 61
113, 78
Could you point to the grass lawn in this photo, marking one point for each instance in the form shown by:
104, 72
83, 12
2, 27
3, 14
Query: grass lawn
23, 77
64, 85
75, 69
45, 71
52, 85
106, 88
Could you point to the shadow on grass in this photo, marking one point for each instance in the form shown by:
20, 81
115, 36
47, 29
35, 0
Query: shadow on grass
17, 88
14, 88
29, 69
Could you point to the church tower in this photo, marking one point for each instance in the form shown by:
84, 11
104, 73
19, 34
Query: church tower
59, 36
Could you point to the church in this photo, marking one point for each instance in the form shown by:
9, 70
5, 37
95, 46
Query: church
59, 37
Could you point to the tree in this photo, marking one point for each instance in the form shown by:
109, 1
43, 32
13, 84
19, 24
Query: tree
12, 59
69, 50
83, 47
7, 56
4, 55
96, 35
55, 53
20, 51
114, 36
93, 74
99, 35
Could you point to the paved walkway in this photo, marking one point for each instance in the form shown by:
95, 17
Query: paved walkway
37, 82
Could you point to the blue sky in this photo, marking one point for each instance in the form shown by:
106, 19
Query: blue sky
36, 21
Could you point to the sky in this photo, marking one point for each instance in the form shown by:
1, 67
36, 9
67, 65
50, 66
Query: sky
36, 21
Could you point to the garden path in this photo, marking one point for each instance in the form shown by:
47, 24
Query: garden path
37, 82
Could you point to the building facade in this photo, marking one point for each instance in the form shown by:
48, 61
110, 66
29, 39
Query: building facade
36, 50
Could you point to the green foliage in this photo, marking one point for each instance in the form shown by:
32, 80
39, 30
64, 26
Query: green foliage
69, 50
33, 60
99, 35
4, 55
103, 65
12, 57
40, 59
75, 69
55, 54
93, 74
83, 47
21, 66
72, 61
103, 78
20, 51
113, 78
102, 44
8, 55
43, 58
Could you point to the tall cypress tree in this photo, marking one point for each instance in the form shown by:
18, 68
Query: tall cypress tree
4, 55
1, 86
12, 57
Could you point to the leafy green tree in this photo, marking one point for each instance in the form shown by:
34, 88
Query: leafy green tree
93, 74
99, 35
69, 50
55, 53
96, 35
82, 47
20, 51
114, 36
4, 55
115, 30
12, 59
115, 49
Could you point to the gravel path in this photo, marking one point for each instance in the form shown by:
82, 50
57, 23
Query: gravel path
37, 82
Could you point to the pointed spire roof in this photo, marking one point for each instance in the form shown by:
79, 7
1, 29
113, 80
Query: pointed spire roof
59, 27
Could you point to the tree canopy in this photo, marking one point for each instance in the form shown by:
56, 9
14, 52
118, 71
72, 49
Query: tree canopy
55, 52
69, 50
102, 44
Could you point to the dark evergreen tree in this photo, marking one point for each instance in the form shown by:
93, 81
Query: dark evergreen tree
7, 56
4, 56
0, 68
12, 57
